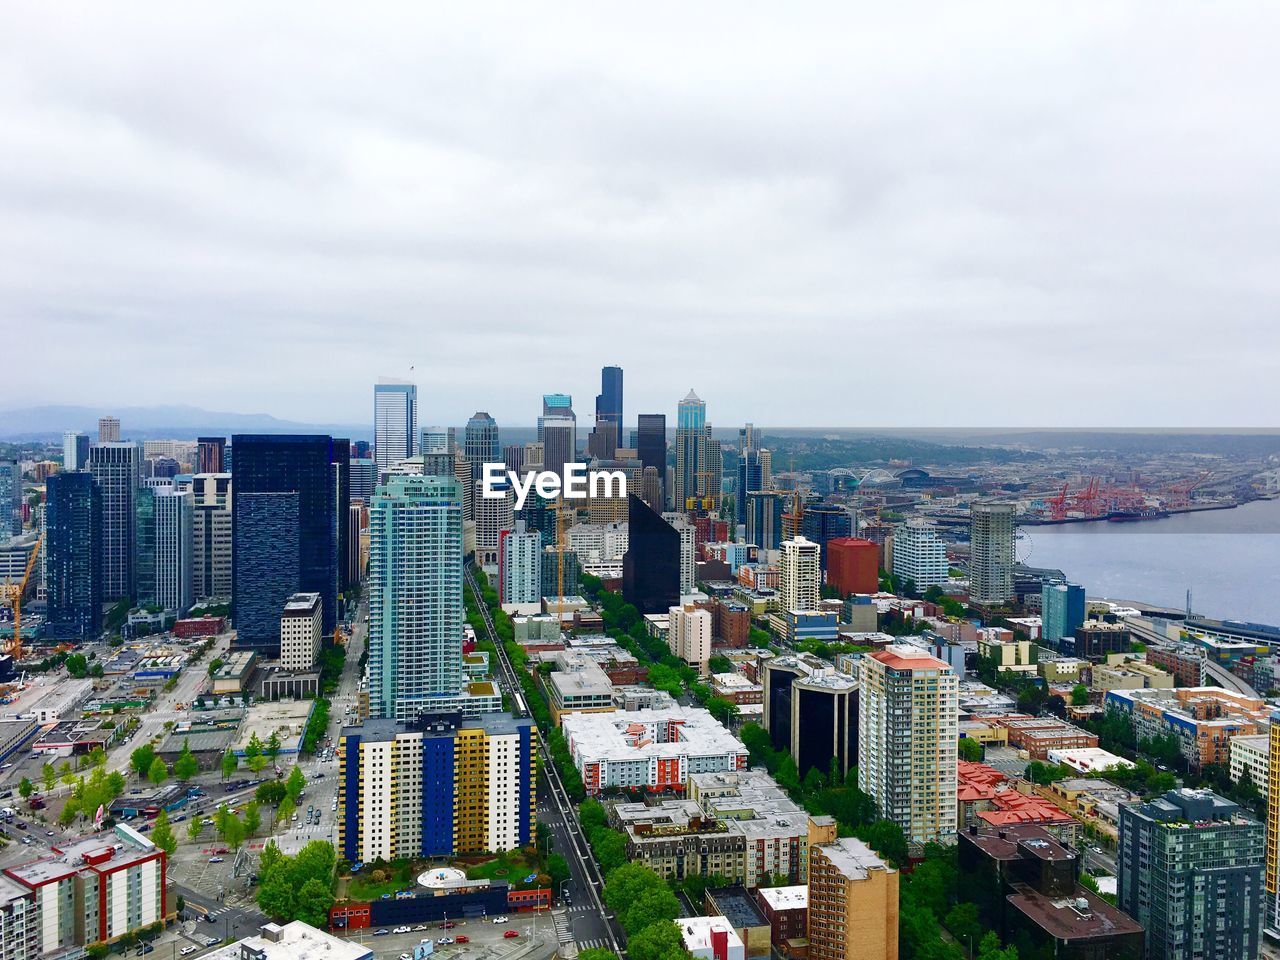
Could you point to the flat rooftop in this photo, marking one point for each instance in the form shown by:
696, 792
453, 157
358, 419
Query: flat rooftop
292, 941
785, 898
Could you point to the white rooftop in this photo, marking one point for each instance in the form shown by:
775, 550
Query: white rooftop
293, 941
786, 898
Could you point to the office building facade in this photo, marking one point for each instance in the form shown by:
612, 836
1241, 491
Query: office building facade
651, 448
364, 479
480, 442
908, 727
520, 565
75, 451
689, 636
493, 516
609, 400
853, 566
209, 454
992, 533
439, 787
108, 430
174, 511
301, 465
10, 499
300, 632
210, 535
919, 556
764, 518
692, 465
415, 596
824, 522
1062, 610
116, 470
73, 557
395, 423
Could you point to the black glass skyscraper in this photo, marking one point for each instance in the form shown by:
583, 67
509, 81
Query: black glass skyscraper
301, 464
480, 442
609, 399
750, 477
651, 443
342, 488
651, 565
73, 557
824, 522
266, 565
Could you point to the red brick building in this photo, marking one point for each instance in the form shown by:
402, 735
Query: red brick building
853, 565
730, 623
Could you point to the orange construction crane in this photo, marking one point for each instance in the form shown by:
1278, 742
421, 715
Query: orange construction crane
12, 594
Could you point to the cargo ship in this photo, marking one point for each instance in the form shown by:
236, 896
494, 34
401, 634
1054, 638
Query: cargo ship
1141, 513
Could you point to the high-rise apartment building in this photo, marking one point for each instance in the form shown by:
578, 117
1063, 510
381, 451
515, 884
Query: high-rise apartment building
800, 574
689, 635
174, 520
520, 565
992, 531
395, 422
437, 440
1272, 859
210, 535
268, 561
10, 499
480, 442
493, 515
907, 731
853, 903
1062, 610
1191, 872
357, 522
300, 631
919, 555
415, 597
441, 786
651, 567
609, 400
75, 451
116, 469
73, 557
209, 454
108, 430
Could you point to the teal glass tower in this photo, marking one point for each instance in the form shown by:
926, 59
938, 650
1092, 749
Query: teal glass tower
415, 597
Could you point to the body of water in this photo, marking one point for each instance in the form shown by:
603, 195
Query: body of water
1229, 559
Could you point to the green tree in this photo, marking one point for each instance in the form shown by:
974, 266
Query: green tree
26, 788
661, 941
233, 831
313, 902
252, 819
625, 884
253, 748
657, 905
591, 814
989, 949
970, 749
557, 869
115, 783
284, 811
141, 759
273, 745
68, 814
195, 828
297, 780
159, 771
611, 851
1079, 695
597, 953
66, 773
185, 767
97, 757
963, 922
258, 763
49, 775
229, 763
162, 833
886, 838
271, 792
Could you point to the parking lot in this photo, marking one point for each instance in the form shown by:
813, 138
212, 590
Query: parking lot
484, 940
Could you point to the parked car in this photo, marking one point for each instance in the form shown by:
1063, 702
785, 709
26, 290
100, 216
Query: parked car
445, 941
381, 933
400, 930
187, 951
499, 919
216, 859
510, 934
462, 938
421, 926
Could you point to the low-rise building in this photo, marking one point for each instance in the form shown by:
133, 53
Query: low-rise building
1089, 760
711, 938
787, 910
1185, 662
1126, 672
301, 624
1007, 653
1204, 719
738, 908
1039, 735
292, 941
233, 675
1092, 801
578, 685
1071, 670
649, 749
1024, 883
736, 688
1251, 755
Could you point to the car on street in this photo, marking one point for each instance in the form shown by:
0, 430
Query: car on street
211, 941
216, 859
462, 938
444, 941
510, 934
400, 930
448, 925
421, 926
381, 933
499, 919
405, 956
187, 951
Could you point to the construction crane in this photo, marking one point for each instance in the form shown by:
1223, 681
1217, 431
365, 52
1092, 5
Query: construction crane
1178, 495
12, 594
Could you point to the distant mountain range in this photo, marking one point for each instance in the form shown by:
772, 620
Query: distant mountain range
157, 423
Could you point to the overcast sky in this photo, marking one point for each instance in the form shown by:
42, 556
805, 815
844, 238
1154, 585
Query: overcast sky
961, 214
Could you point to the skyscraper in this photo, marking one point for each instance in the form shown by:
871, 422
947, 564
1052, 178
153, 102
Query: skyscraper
1191, 872
764, 518
144, 542
174, 516
75, 451
609, 399
480, 443
749, 478
10, 499
298, 464
558, 433
415, 597
651, 566
209, 454
437, 440
907, 730
395, 422
520, 565
1062, 610
364, 477
73, 557
918, 555
824, 522
853, 903
689, 635
800, 581
116, 469
493, 516
651, 447
340, 456
108, 430
691, 436
211, 536
992, 529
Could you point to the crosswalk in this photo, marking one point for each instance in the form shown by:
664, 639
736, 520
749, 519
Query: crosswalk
564, 933
219, 912
589, 944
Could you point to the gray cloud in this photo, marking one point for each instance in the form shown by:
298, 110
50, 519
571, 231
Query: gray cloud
956, 214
